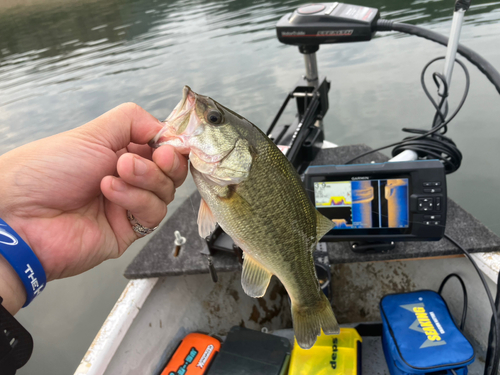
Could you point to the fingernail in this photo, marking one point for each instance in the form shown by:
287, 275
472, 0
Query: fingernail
118, 185
140, 167
176, 162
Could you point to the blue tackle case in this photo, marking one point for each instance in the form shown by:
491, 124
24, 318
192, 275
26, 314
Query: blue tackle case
419, 336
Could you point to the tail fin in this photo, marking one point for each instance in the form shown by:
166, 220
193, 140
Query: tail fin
308, 322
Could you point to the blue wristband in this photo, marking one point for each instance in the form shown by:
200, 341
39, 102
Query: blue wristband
23, 260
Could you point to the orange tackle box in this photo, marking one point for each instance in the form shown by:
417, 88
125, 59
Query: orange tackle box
193, 355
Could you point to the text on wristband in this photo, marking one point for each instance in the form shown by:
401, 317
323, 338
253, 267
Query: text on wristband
34, 281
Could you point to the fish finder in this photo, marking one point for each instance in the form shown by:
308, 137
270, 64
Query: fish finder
393, 201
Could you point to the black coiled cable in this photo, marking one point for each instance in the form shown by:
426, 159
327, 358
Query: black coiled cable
432, 144
436, 145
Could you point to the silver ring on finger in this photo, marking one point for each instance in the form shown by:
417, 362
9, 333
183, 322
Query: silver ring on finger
138, 228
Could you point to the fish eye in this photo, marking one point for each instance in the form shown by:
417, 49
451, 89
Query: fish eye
214, 117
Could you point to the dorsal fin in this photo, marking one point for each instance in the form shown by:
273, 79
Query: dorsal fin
206, 220
323, 225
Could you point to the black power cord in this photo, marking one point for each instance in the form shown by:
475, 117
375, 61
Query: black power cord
464, 289
491, 367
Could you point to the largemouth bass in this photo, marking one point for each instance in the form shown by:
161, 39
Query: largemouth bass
251, 189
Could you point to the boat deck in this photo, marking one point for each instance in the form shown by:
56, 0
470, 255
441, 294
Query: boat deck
156, 258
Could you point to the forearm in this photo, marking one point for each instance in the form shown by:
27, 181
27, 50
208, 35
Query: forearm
11, 288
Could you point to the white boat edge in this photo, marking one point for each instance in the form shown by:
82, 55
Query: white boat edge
121, 317
115, 327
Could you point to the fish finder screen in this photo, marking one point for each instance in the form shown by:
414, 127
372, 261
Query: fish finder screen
380, 203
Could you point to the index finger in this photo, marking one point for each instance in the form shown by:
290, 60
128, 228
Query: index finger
122, 125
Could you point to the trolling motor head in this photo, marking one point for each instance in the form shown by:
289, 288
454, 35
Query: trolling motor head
325, 23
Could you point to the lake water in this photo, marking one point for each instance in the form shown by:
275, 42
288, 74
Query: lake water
63, 63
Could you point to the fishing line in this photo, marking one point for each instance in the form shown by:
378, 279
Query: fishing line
192, 205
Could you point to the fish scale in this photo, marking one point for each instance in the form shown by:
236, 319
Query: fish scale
251, 189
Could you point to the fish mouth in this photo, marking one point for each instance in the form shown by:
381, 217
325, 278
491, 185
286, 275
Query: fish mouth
180, 124
188, 95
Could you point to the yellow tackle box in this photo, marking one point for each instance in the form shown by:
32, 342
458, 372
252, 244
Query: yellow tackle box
330, 355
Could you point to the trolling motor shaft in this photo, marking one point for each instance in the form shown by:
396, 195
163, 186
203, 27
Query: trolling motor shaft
309, 52
311, 67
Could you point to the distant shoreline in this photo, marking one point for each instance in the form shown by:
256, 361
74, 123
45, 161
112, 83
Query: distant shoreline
10, 4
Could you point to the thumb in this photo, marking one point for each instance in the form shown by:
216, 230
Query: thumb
123, 124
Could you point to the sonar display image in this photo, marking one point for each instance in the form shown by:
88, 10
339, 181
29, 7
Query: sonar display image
333, 194
365, 203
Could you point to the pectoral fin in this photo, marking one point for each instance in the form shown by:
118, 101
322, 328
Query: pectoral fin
206, 220
254, 277
323, 225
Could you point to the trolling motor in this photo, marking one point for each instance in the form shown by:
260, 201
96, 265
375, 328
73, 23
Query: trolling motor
308, 27
315, 24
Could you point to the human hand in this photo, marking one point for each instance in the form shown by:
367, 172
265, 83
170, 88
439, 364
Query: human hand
67, 195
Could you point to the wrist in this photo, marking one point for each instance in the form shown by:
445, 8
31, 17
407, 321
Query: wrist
23, 263
11, 288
